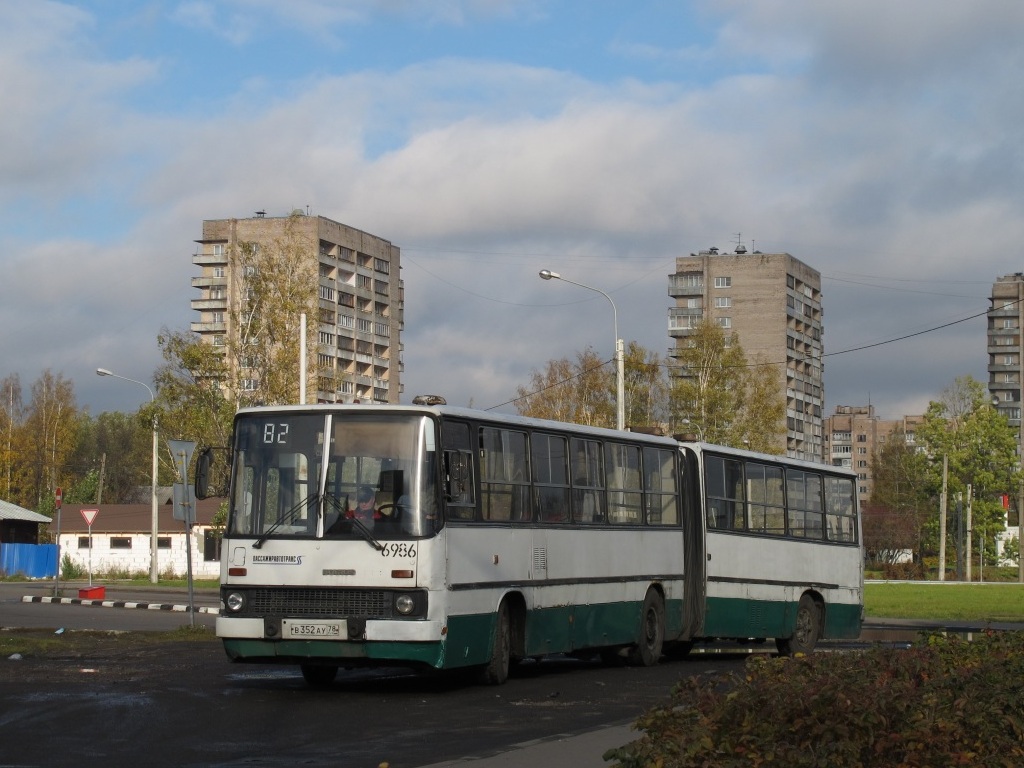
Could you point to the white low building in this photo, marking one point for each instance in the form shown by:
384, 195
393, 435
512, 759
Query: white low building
121, 535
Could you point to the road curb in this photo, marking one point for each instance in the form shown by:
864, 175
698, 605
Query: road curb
117, 604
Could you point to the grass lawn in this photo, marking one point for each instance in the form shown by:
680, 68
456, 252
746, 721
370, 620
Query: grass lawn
945, 600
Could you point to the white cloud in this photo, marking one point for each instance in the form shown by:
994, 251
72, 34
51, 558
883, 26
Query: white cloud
842, 138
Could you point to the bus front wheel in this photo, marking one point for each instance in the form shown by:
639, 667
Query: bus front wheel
807, 629
496, 670
649, 644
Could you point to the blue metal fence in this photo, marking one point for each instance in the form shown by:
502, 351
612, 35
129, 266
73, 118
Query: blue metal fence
36, 561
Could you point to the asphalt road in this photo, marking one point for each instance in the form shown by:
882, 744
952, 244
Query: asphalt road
181, 702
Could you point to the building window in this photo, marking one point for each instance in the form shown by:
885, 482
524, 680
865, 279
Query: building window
211, 546
218, 250
163, 542
120, 542
724, 322
382, 266
688, 280
723, 282
723, 302
862, 438
84, 542
683, 320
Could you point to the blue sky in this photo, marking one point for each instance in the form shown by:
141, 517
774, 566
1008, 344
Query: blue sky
878, 142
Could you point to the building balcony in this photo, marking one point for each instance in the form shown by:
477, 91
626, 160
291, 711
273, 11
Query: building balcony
205, 281
209, 259
204, 327
685, 291
209, 304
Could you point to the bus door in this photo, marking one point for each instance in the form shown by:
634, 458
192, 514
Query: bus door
694, 549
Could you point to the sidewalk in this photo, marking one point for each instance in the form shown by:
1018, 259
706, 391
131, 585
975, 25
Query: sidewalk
583, 750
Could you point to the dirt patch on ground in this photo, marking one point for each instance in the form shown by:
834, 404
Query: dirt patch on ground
28, 656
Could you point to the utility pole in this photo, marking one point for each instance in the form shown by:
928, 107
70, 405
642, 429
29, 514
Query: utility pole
970, 499
942, 520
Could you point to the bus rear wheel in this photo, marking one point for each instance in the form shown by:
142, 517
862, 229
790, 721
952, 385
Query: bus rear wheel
806, 632
318, 675
495, 672
647, 650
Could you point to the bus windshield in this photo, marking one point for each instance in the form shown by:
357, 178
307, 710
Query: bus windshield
373, 477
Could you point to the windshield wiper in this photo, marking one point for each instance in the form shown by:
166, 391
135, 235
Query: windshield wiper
355, 521
287, 517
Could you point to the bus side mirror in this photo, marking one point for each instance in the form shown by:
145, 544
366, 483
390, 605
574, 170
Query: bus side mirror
203, 473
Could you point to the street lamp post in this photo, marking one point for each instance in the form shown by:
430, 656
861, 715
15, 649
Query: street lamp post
153, 565
620, 401
700, 432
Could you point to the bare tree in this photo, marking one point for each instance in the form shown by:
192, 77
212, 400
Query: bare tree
277, 284
731, 401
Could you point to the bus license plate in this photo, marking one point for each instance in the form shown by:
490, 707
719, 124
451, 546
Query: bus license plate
327, 630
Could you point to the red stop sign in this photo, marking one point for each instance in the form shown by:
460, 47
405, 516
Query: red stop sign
59, 496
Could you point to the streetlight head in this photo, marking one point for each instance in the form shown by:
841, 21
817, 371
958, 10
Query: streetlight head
103, 372
547, 274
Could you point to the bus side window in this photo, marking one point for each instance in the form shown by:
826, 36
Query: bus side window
458, 472
550, 477
723, 480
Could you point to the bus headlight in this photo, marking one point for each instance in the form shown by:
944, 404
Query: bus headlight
405, 604
235, 601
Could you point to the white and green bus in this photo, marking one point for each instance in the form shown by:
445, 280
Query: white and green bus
496, 538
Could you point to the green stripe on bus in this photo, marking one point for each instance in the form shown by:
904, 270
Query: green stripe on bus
560, 629
299, 651
735, 617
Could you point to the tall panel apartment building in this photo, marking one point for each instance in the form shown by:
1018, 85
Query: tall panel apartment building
1006, 348
772, 301
358, 291
854, 433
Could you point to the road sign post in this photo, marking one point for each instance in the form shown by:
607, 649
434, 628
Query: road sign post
90, 515
58, 497
185, 507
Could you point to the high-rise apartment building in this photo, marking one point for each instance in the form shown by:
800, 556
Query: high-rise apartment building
772, 301
354, 282
1006, 348
852, 436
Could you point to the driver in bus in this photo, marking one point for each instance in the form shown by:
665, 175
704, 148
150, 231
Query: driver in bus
366, 505
366, 511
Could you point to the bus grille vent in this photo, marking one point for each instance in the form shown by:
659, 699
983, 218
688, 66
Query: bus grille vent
311, 603
540, 562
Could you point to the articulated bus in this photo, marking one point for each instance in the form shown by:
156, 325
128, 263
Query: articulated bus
497, 538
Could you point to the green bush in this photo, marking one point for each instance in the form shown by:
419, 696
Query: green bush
943, 702
70, 569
